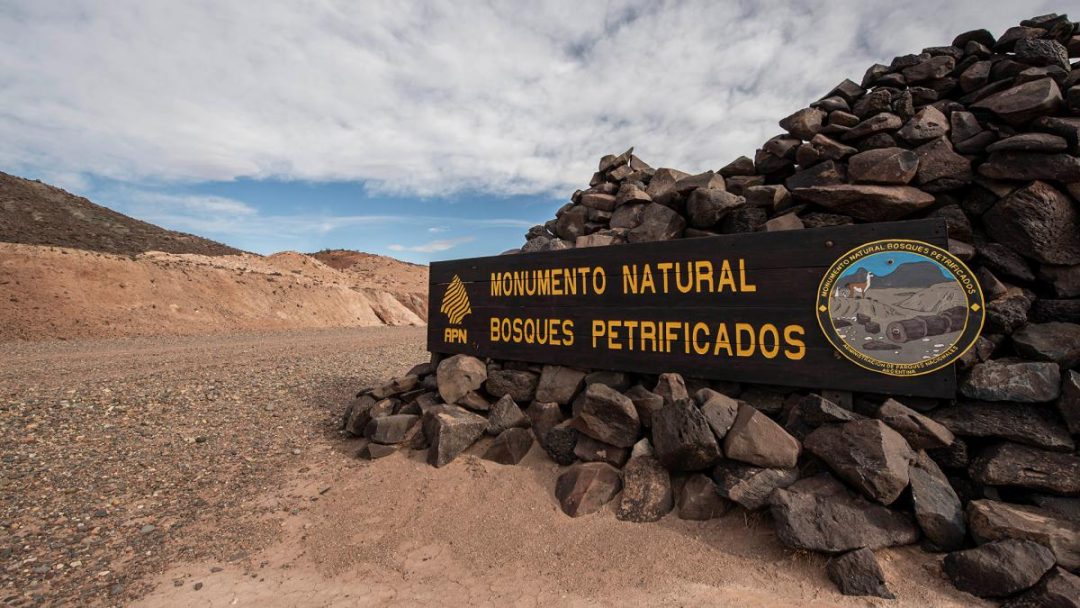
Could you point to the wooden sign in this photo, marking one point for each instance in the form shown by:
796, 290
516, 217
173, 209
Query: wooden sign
874, 308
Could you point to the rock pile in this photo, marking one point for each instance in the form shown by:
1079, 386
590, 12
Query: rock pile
984, 133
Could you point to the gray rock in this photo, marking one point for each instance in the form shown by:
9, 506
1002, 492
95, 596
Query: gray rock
450, 430
1007, 380
805, 123
1021, 103
740, 166
505, 414
1012, 464
571, 224
699, 500
358, 414
1069, 403
929, 123
597, 200
559, 384
719, 411
520, 385
999, 568
1038, 222
878, 123
586, 487
1031, 166
990, 520
647, 493
820, 514
510, 446
868, 202
708, 180
815, 410
883, 166
389, 430
934, 68
617, 380
788, 221
560, 442
682, 439
1058, 589
474, 401
938, 161
671, 388
375, 451
707, 206
591, 450
921, 432
1030, 142
757, 440
458, 375
1056, 342
609, 416
395, 387
1039, 51
658, 223
867, 454
544, 416
858, 573
937, 507
1035, 425
645, 402
750, 486
628, 216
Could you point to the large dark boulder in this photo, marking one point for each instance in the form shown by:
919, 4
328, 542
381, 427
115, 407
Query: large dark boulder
1025, 166
559, 384
505, 414
609, 416
820, 514
682, 438
1056, 342
1021, 103
937, 507
750, 486
647, 492
699, 500
868, 202
1038, 222
883, 166
755, 439
867, 454
1058, 589
389, 430
858, 573
998, 569
990, 520
1012, 464
586, 487
921, 432
1011, 380
459, 375
707, 206
1035, 425
510, 446
450, 430
520, 385
658, 223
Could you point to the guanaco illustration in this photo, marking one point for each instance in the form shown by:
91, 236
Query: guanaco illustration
859, 288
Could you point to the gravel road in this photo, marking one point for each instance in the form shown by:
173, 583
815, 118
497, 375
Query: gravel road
122, 456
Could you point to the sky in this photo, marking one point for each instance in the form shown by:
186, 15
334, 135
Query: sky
426, 131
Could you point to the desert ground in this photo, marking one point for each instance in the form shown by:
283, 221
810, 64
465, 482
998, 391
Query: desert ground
209, 471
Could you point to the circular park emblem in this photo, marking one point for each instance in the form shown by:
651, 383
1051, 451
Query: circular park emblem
900, 307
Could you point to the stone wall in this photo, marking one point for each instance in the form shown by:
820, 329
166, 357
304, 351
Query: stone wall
984, 133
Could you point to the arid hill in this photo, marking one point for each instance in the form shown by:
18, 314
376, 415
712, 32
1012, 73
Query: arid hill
72, 269
35, 213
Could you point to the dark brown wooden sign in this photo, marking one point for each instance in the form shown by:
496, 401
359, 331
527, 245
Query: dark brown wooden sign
739, 307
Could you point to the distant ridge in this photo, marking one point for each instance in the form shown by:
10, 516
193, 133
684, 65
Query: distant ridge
35, 213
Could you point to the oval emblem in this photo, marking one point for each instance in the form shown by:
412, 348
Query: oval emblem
900, 307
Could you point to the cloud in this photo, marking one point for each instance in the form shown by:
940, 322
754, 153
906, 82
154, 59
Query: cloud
436, 229
433, 246
432, 99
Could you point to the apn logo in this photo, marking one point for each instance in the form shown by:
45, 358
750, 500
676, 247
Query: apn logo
455, 305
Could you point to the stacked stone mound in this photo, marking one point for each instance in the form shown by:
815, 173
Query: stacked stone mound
984, 133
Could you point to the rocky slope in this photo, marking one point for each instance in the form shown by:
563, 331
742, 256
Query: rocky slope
35, 213
70, 268
984, 133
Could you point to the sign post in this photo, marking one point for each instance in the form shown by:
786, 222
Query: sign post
876, 308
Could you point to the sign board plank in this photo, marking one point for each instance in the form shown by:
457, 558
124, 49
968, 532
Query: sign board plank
739, 307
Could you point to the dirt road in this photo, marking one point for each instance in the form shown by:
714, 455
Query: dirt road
209, 472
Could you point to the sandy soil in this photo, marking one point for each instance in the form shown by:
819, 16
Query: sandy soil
208, 471
56, 293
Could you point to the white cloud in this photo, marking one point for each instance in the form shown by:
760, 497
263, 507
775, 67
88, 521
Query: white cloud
502, 97
435, 230
432, 246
